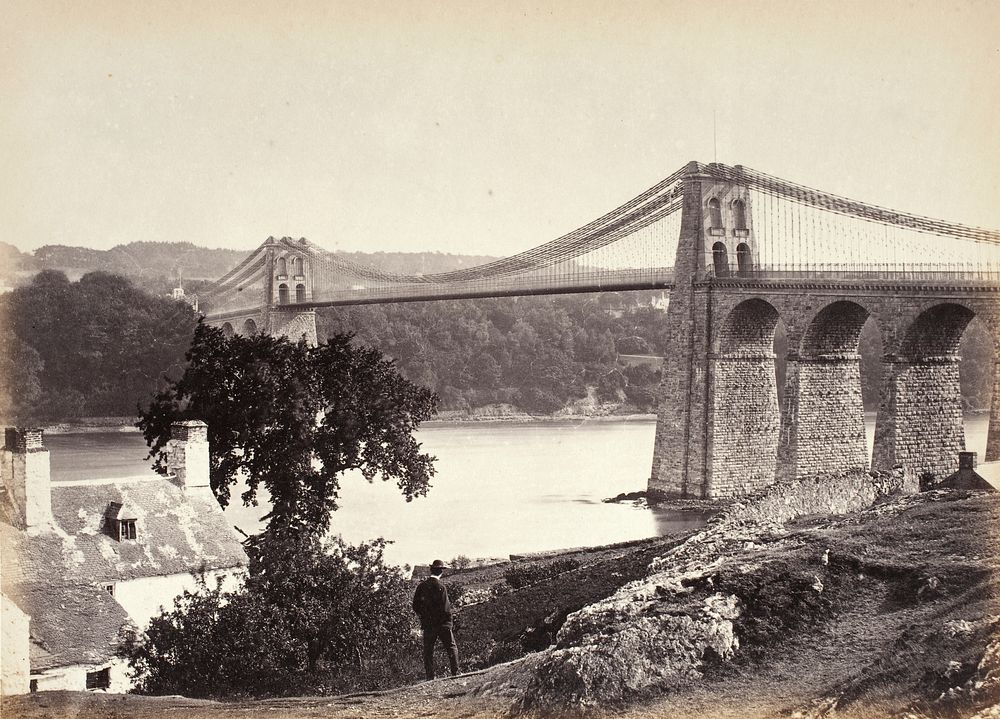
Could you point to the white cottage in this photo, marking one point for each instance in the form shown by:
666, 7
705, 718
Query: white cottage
81, 559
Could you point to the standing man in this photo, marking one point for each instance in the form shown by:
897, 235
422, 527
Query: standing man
431, 604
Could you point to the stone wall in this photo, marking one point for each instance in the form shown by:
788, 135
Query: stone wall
993, 437
14, 648
826, 425
143, 598
920, 423
679, 416
745, 423
294, 324
839, 493
73, 678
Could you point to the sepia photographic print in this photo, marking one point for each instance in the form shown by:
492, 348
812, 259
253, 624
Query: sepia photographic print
526, 359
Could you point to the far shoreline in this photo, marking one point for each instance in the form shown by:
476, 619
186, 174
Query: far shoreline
446, 418
126, 425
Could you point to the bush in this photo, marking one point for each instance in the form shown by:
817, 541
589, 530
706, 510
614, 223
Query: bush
643, 398
539, 401
633, 345
610, 386
310, 616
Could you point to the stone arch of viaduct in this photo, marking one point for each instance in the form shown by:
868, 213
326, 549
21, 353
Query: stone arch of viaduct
726, 434
291, 322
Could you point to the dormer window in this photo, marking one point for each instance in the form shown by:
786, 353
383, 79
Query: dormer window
126, 529
120, 521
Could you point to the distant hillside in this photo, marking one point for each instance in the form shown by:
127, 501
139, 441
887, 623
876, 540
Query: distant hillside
154, 266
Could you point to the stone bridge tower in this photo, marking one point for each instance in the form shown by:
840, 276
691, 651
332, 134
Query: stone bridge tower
716, 241
290, 275
720, 430
271, 292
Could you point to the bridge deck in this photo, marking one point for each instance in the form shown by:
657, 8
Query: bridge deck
653, 279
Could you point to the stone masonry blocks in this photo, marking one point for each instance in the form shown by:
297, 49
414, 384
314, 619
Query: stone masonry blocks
719, 432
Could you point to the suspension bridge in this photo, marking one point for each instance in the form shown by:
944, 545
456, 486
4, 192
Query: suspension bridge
739, 251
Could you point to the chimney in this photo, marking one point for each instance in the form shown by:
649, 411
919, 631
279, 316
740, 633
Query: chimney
188, 454
26, 476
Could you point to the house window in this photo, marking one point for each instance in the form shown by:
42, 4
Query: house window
110, 589
300, 293
33, 686
126, 529
100, 679
282, 267
282, 294
297, 266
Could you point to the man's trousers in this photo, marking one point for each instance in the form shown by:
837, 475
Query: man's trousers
447, 637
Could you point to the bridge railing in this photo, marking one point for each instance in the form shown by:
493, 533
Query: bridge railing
903, 271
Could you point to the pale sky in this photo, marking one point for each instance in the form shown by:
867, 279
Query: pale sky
475, 127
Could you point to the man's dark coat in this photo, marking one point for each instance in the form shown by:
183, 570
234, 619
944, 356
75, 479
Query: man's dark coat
431, 604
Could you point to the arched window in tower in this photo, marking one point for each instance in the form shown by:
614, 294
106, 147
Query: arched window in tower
715, 217
297, 266
282, 294
720, 260
740, 218
300, 292
743, 259
280, 267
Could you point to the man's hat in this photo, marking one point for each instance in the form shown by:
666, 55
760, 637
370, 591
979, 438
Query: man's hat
438, 564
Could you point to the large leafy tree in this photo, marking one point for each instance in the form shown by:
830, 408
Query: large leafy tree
293, 418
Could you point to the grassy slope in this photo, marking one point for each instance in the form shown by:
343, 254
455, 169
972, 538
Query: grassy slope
909, 603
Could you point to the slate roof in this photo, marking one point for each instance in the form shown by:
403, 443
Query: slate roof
55, 575
70, 624
177, 531
969, 479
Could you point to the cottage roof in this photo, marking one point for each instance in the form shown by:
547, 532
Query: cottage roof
56, 575
70, 623
177, 531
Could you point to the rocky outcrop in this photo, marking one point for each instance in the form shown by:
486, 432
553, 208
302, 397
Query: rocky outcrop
661, 631
642, 642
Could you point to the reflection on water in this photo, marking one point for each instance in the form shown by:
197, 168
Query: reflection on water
499, 489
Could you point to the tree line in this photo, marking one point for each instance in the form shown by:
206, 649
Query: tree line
535, 353
95, 347
101, 346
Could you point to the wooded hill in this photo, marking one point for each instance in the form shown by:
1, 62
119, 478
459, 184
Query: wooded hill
101, 345
156, 266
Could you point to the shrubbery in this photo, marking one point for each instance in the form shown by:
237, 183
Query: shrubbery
311, 617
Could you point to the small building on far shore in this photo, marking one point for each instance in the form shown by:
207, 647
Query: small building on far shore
81, 560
